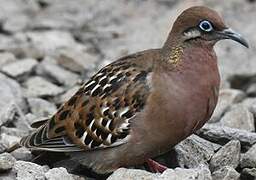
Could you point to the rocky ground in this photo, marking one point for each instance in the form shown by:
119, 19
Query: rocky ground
49, 47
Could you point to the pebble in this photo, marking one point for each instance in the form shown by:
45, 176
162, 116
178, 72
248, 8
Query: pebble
228, 155
239, 117
19, 68
40, 87
6, 162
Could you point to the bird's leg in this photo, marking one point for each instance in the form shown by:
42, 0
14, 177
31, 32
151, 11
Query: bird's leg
155, 166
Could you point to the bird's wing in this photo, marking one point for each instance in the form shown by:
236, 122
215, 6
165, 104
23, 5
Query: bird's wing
99, 114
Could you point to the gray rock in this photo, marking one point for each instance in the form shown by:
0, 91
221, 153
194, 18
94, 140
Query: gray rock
41, 107
40, 87
77, 60
252, 106
228, 155
225, 173
251, 90
19, 68
31, 118
239, 117
58, 174
47, 42
227, 97
22, 154
250, 103
8, 140
6, 58
8, 113
248, 159
8, 176
200, 173
6, 162
67, 95
11, 96
29, 171
21, 121
57, 74
221, 134
135, 174
194, 151
13, 131
248, 174
12, 113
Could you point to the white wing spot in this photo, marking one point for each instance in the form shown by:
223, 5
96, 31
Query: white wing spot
123, 111
84, 136
107, 125
107, 85
96, 87
109, 138
112, 77
90, 125
92, 82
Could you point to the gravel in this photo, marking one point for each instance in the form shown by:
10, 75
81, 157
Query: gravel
6, 162
228, 155
248, 159
40, 87
48, 48
19, 68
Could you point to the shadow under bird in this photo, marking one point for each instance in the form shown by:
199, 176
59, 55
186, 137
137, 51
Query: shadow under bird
143, 104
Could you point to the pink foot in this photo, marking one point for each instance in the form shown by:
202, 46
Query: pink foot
155, 166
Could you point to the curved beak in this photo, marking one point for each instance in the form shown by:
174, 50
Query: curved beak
230, 34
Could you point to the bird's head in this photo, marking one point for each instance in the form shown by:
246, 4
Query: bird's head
202, 25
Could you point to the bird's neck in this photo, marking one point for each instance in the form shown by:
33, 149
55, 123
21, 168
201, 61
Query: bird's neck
175, 53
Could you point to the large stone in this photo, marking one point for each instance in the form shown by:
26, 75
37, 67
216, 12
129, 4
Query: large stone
8, 140
227, 97
250, 103
248, 159
239, 117
58, 174
8, 113
19, 68
225, 173
222, 134
248, 174
29, 171
135, 174
194, 151
6, 58
6, 162
200, 173
77, 60
228, 155
67, 95
22, 154
40, 87
47, 42
57, 74
11, 96
13, 131
251, 90
41, 107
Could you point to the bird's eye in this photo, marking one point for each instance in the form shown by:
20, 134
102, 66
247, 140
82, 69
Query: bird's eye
205, 26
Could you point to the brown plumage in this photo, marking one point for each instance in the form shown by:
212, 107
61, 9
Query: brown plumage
143, 104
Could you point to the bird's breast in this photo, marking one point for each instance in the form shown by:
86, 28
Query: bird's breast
183, 100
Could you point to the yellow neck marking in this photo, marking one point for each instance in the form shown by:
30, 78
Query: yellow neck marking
175, 55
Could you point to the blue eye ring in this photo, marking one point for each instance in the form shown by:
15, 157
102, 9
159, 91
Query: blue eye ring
205, 26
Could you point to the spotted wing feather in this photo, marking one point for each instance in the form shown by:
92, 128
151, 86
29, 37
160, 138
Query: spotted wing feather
99, 115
